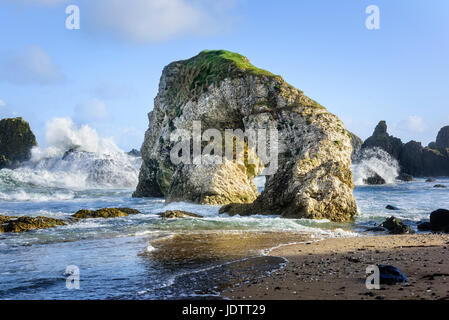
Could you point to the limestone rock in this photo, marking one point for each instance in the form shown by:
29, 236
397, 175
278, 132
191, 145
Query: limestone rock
224, 91
172, 214
16, 142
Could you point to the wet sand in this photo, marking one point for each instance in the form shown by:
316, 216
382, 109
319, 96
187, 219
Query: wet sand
336, 269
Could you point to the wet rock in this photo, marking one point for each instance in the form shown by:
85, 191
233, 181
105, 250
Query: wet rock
381, 139
396, 226
405, 177
16, 142
391, 275
105, 213
21, 224
439, 220
439, 186
431, 180
390, 207
172, 214
375, 180
424, 226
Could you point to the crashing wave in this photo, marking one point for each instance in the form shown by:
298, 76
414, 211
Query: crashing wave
75, 158
375, 162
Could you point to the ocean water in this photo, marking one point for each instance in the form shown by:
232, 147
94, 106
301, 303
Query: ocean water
142, 256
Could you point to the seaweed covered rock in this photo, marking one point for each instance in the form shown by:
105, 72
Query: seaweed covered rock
174, 214
223, 91
396, 226
105, 213
16, 142
21, 224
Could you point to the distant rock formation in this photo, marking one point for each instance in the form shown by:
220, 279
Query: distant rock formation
356, 145
134, 153
224, 91
383, 140
16, 142
413, 158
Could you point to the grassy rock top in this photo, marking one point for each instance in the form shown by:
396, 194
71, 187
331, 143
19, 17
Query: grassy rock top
209, 67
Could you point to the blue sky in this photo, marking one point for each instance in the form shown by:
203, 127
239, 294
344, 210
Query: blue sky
106, 74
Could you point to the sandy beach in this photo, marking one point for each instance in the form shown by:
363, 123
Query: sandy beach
336, 269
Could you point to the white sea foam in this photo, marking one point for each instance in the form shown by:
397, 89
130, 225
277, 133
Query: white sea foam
75, 158
372, 161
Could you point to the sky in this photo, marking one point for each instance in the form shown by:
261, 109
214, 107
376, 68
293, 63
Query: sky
106, 73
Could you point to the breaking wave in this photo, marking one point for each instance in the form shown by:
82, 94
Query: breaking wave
375, 161
75, 158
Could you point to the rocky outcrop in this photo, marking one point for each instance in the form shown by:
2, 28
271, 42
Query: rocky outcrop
439, 220
21, 224
105, 213
356, 143
396, 226
176, 214
374, 180
16, 142
413, 158
381, 139
224, 91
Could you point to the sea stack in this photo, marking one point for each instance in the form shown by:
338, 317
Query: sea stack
16, 142
223, 90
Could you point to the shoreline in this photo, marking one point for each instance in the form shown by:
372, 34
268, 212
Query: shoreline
335, 269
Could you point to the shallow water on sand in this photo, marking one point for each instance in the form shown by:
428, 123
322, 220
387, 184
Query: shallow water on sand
144, 257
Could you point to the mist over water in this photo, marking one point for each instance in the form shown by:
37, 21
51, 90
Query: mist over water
375, 161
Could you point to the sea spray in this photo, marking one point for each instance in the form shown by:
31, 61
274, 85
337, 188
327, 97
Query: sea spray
75, 158
375, 161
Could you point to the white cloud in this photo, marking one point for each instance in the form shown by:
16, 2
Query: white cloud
416, 124
92, 111
156, 20
2, 103
33, 66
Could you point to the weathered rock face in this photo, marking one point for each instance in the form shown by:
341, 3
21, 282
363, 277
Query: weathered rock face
224, 91
16, 142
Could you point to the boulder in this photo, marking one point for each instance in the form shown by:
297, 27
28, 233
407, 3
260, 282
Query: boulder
405, 177
439, 186
173, 214
224, 91
396, 226
21, 224
439, 220
16, 142
391, 275
390, 207
105, 213
375, 180
424, 226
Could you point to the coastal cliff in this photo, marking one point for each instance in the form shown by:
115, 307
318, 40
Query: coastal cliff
224, 91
